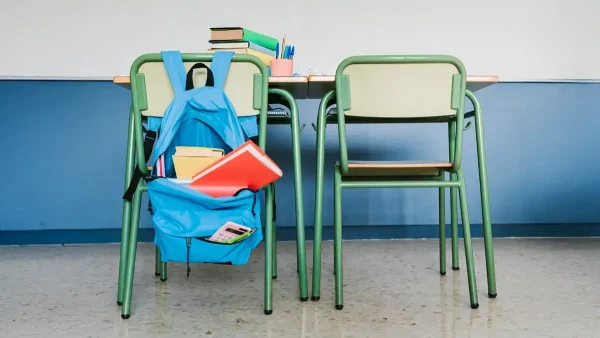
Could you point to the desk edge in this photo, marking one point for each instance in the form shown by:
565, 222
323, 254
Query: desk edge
470, 78
124, 80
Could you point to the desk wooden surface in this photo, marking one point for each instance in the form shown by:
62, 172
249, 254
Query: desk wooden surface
315, 86
320, 84
296, 85
124, 80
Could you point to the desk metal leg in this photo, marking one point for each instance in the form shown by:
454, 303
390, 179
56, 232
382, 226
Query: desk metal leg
485, 198
274, 249
290, 102
300, 235
318, 238
269, 250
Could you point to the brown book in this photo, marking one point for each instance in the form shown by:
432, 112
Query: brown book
227, 33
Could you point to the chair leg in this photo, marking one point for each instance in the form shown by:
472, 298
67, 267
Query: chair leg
157, 261
442, 221
269, 250
133, 237
467, 239
454, 224
126, 217
485, 202
160, 268
338, 257
489, 245
274, 250
453, 191
318, 229
125, 238
163, 271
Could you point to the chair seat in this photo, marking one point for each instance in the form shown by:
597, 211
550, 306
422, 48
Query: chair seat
401, 168
332, 118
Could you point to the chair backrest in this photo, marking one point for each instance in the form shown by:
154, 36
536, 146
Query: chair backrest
422, 87
399, 86
239, 86
246, 86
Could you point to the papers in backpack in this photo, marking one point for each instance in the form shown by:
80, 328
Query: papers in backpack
189, 160
180, 181
198, 152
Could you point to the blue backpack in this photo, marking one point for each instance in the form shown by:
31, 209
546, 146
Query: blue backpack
184, 218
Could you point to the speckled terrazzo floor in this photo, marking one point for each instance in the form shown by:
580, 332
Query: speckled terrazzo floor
546, 288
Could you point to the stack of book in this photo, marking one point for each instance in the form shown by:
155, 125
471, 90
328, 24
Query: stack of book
243, 41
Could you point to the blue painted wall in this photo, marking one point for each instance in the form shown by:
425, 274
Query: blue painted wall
64, 149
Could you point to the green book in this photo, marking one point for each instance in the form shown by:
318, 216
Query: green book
239, 33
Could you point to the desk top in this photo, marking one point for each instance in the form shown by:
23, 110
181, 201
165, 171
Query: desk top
297, 85
474, 82
482, 79
124, 80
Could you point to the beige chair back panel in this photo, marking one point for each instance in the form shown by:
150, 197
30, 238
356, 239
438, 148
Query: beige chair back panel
400, 90
239, 86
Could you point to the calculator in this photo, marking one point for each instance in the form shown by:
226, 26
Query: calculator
231, 232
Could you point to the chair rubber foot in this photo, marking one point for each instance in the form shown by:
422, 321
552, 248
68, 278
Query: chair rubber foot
275, 277
339, 307
443, 273
474, 306
492, 295
315, 298
125, 316
455, 268
163, 280
157, 274
303, 299
119, 303
268, 312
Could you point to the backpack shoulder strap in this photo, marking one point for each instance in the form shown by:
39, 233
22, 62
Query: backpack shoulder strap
137, 174
220, 67
175, 70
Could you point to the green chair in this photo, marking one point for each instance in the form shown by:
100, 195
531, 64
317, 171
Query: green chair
394, 89
247, 88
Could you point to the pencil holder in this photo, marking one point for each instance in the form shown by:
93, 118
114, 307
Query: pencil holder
282, 67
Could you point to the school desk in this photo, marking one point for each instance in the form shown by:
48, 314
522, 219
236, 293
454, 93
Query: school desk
315, 87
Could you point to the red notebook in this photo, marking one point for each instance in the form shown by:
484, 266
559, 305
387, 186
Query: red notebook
245, 167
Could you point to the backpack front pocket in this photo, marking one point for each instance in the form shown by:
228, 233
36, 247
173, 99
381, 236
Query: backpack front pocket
201, 250
184, 219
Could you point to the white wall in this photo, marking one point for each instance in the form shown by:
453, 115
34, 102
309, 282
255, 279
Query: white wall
514, 39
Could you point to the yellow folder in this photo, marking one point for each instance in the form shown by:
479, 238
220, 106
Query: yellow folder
189, 161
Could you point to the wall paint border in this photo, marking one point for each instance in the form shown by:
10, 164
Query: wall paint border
97, 236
